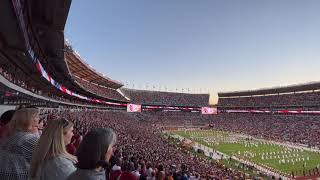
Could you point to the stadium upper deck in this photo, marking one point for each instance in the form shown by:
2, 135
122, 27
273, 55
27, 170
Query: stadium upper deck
81, 69
166, 98
303, 96
275, 90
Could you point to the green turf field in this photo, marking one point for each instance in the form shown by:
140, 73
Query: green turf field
281, 158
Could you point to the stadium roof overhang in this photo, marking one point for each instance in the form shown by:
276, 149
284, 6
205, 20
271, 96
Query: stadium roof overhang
294, 88
82, 70
12, 44
11, 37
48, 19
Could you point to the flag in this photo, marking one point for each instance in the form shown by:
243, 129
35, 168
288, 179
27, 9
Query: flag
43, 72
68, 92
63, 89
52, 81
56, 84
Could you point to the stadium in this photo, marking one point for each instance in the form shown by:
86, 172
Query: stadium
270, 133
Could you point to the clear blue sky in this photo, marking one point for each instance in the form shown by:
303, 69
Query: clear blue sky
214, 45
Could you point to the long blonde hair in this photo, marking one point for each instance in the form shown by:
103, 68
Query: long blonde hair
51, 144
24, 119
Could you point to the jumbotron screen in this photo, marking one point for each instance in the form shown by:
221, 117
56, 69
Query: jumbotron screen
208, 110
133, 108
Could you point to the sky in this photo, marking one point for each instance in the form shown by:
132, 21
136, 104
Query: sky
199, 46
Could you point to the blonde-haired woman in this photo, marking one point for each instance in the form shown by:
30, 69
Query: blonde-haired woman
25, 119
50, 159
16, 150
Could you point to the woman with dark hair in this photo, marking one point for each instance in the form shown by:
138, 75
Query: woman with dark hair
4, 120
93, 154
6, 117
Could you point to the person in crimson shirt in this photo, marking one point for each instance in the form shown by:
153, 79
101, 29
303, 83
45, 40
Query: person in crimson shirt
126, 172
116, 168
78, 139
74, 145
71, 148
143, 168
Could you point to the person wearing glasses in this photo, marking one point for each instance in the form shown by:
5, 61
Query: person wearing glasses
50, 160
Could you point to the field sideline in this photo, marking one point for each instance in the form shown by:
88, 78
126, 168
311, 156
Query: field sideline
281, 158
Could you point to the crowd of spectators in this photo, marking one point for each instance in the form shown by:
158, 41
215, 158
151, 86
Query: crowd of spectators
139, 143
99, 90
21, 79
141, 149
303, 129
166, 98
293, 99
37, 85
175, 119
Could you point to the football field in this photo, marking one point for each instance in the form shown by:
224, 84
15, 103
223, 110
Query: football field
282, 158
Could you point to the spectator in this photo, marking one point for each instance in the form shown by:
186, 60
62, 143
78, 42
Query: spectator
149, 169
40, 127
116, 168
71, 148
126, 172
16, 150
50, 158
93, 154
136, 171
